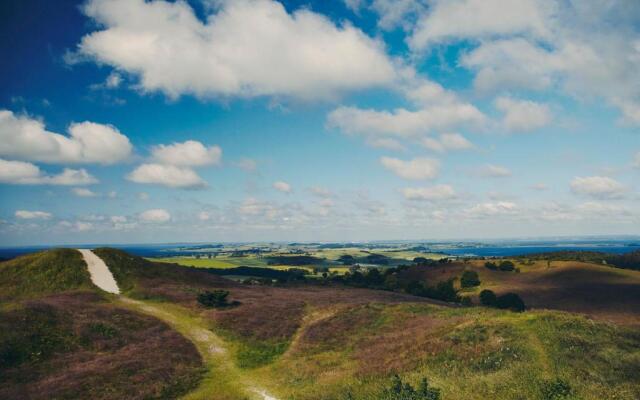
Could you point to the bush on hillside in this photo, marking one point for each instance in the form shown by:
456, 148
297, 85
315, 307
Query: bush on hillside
404, 391
469, 279
491, 265
506, 265
213, 299
510, 301
488, 298
555, 390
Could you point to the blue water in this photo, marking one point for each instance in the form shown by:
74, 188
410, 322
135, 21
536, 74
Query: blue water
509, 251
488, 249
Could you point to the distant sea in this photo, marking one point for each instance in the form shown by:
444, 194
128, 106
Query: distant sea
472, 249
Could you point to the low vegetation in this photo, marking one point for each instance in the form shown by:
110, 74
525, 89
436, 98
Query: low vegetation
77, 346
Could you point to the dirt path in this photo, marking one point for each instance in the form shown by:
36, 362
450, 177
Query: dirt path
234, 384
222, 380
100, 274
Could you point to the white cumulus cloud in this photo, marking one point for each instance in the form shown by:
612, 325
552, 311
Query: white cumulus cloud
415, 169
523, 115
167, 175
447, 142
25, 214
24, 173
84, 192
25, 138
433, 193
190, 153
155, 215
597, 186
248, 48
281, 186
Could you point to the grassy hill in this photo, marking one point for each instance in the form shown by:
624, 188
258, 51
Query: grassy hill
60, 338
318, 340
599, 291
42, 273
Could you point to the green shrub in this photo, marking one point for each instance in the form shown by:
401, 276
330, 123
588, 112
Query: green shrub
506, 265
469, 279
510, 301
555, 390
216, 298
488, 298
404, 391
491, 265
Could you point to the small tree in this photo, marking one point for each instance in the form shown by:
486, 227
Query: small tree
488, 298
510, 301
216, 298
491, 265
469, 279
507, 265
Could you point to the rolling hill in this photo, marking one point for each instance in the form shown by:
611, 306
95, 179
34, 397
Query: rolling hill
313, 340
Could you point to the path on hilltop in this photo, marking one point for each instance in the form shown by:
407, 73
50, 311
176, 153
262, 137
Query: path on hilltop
223, 379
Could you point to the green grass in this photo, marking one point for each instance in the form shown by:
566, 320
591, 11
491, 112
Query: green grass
196, 262
477, 353
43, 273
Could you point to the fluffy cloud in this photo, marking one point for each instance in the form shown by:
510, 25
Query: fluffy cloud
24, 214
416, 169
156, 215
597, 186
84, 192
386, 143
495, 171
167, 175
248, 48
281, 186
24, 138
24, 173
402, 122
571, 51
446, 142
478, 19
190, 153
523, 115
433, 193
173, 165
492, 209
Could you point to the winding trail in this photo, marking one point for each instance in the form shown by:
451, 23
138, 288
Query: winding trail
223, 379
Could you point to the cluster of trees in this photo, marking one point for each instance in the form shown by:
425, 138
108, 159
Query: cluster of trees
630, 260
504, 265
507, 301
428, 262
388, 280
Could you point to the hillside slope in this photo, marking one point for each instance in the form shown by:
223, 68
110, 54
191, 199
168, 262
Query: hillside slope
42, 273
62, 338
598, 291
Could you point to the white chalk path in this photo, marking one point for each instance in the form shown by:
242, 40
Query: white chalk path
203, 338
100, 274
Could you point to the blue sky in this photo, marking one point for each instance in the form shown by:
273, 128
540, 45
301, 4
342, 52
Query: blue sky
255, 120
